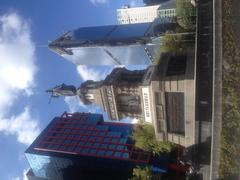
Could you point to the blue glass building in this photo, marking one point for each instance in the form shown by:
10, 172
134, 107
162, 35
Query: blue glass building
83, 146
114, 44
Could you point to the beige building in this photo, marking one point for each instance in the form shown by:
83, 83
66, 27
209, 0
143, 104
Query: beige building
163, 96
172, 99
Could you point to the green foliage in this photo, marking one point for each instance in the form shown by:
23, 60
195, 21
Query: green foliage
144, 173
186, 14
173, 42
144, 138
230, 141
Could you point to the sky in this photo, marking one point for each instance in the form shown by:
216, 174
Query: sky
28, 68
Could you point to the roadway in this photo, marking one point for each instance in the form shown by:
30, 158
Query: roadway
204, 88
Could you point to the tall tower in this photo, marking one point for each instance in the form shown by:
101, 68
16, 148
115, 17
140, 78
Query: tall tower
112, 44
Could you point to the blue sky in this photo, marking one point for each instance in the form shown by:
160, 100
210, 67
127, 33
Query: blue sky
28, 68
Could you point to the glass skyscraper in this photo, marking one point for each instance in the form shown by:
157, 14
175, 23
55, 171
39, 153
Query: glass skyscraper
83, 146
126, 44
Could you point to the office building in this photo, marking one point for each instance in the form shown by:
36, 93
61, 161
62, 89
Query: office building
83, 146
163, 13
127, 15
112, 45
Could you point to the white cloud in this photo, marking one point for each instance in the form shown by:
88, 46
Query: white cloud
87, 73
24, 126
24, 175
128, 120
98, 1
74, 103
17, 70
91, 73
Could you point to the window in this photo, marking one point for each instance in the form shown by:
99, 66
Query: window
62, 148
70, 136
58, 140
109, 153
103, 145
123, 140
70, 148
67, 130
125, 155
74, 142
50, 139
96, 145
175, 112
92, 151
84, 151
120, 147
114, 140
81, 143
77, 149
74, 131
177, 65
107, 139
92, 138
117, 154
88, 144
111, 146
77, 136
99, 139
84, 138
100, 152
67, 141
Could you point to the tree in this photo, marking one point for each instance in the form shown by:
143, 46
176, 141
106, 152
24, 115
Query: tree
230, 141
144, 138
142, 173
186, 14
173, 42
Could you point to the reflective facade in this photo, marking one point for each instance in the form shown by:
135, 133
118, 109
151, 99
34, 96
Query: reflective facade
113, 44
74, 144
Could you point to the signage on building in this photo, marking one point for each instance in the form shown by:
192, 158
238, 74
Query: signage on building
111, 103
146, 105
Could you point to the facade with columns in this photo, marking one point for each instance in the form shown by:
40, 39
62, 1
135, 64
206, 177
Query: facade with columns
163, 96
119, 94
